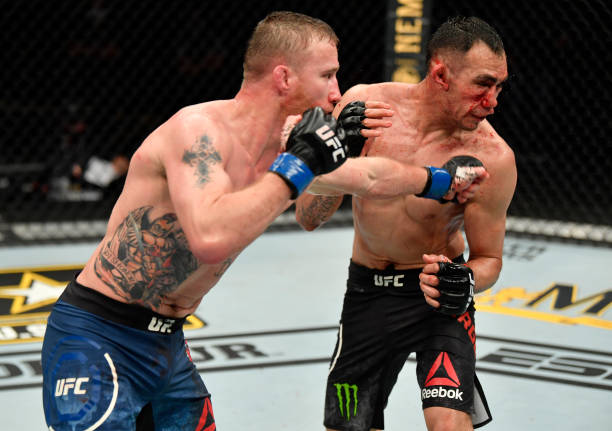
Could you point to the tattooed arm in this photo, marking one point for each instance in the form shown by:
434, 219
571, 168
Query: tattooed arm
220, 204
366, 177
312, 211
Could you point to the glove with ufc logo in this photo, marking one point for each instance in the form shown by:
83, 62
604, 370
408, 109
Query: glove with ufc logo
313, 148
456, 287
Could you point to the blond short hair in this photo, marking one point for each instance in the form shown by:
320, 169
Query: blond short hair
283, 34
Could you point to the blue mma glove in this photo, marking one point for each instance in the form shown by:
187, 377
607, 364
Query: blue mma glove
314, 147
456, 287
440, 180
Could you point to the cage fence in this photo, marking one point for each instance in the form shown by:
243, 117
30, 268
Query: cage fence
87, 80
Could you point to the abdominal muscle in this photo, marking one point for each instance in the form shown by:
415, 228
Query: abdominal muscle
399, 231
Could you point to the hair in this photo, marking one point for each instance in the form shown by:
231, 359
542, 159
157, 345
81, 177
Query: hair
459, 34
283, 34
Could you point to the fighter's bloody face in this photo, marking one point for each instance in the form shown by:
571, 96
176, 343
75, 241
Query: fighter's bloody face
476, 81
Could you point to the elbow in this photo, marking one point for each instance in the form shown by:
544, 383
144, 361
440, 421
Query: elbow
489, 275
212, 251
307, 226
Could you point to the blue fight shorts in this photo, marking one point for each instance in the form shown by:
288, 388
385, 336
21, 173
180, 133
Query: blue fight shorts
108, 365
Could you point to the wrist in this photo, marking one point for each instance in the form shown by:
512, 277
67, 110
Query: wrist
294, 171
437, 185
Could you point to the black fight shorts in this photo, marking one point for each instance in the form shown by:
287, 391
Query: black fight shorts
384, 319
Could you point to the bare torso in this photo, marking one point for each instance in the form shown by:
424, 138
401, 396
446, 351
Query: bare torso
145, 256
399, 231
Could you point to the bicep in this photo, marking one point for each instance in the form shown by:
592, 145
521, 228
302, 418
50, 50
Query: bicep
196, 178
485, 217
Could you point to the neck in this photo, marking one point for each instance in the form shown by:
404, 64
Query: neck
435, 118
259, 118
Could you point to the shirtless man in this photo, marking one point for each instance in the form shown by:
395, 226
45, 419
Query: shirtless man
407, 242
199, 189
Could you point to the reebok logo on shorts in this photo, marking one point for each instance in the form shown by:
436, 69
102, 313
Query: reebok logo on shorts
442, 373
454, 394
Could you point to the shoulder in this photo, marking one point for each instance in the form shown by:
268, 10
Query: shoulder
194, 125
498, 158
371, 91
496, 150
383, 92
192, 136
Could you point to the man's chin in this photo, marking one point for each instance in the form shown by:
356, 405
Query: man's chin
472, 123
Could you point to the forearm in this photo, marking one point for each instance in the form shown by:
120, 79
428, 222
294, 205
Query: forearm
236, 219
373, 178
486, 271
312, 211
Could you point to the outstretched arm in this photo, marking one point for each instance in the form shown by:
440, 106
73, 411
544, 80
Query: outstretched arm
382, 178
373, 177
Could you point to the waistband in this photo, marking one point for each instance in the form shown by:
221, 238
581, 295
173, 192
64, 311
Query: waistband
363, 277
134, 316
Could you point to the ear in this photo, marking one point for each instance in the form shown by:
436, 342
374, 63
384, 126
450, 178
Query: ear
439, 73
280, 74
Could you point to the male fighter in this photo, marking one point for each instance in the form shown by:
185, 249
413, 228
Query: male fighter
409, 288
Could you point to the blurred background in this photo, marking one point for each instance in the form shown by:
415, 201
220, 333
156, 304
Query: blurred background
85, 81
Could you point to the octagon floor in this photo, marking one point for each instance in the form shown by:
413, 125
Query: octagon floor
263, 337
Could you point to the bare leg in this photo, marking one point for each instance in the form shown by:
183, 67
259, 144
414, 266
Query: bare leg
445, 419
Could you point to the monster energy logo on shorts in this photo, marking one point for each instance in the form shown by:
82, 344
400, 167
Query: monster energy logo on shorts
344, 399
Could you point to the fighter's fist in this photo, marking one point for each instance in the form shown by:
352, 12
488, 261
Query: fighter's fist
457, 180
447, 286
468, 173
314, 147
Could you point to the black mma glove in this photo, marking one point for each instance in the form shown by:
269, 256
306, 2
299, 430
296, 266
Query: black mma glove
313, 148
440, 180
350, 119
456, 287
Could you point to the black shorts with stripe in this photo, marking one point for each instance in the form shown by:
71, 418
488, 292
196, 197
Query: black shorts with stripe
384, 319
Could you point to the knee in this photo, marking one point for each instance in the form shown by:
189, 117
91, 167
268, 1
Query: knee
444, 419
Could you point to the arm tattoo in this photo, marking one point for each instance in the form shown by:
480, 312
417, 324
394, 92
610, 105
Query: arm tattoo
320, 209
145, 259
201, 156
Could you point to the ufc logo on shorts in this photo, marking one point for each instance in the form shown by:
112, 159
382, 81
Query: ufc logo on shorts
330, 138
64, 386
387, 280
161, 325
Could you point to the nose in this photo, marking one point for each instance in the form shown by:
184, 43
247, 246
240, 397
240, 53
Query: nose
334, 92
490, 99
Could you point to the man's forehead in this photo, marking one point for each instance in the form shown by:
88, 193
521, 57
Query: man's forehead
485, 64
322, 53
